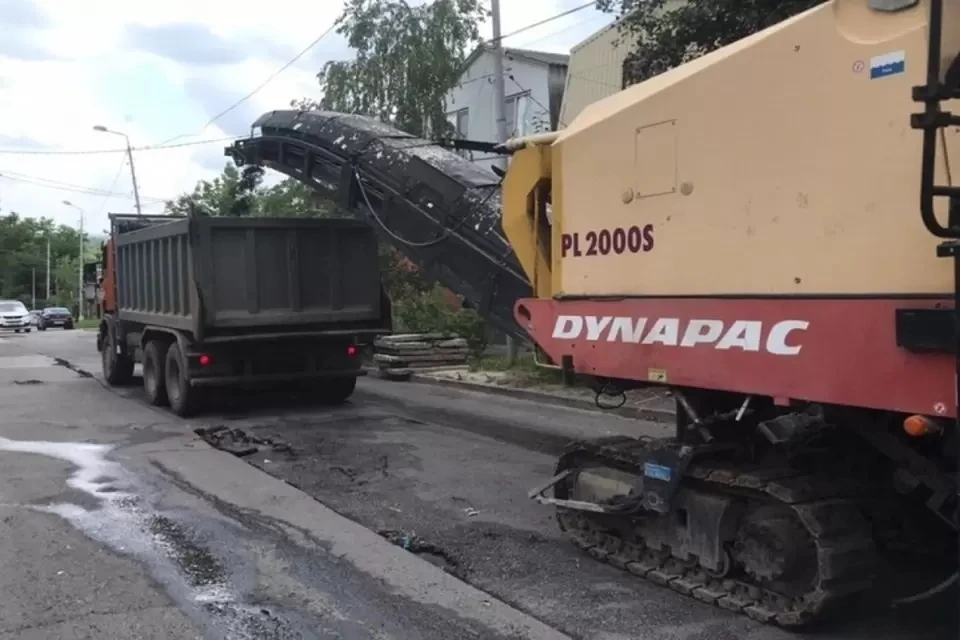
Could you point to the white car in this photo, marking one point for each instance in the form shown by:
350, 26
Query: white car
14, 315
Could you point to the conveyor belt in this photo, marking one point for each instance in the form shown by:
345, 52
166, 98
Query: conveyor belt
435, 207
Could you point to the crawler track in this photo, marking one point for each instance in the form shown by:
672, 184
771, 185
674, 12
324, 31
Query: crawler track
842, 542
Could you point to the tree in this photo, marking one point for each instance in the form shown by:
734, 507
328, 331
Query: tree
293, 198
668, 33
232, 193
407, 58
23, 254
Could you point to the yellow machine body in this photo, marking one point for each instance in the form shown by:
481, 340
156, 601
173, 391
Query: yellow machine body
782, 164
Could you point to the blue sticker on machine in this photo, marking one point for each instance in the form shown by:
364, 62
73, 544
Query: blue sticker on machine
888, 64
657, 471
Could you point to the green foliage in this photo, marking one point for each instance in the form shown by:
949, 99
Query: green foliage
232, 193
23, 254
407, 58
291, 198
669, 33
428, 311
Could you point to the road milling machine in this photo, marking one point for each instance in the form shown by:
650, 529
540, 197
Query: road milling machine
771, 231
745, 230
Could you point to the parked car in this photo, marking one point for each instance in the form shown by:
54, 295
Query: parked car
35, 316
55, 317
14, 315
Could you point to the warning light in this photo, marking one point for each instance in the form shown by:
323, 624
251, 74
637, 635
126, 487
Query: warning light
351, 350
204, 360
918, 426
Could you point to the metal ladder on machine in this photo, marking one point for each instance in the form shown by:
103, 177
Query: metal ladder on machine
941, 86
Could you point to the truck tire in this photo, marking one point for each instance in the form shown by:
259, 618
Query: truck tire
154, 372
183, 398
117, 367
336, 390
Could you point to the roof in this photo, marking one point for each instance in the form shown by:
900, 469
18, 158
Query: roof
538, 56
610, 26
541, 57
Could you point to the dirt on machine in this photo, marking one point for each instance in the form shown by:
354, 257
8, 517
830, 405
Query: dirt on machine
771, 231
246, 303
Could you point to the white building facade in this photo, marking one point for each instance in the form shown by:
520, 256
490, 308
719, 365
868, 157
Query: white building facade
533, 90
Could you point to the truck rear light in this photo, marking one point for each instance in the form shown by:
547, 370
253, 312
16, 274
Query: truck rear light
205, 360
351, 350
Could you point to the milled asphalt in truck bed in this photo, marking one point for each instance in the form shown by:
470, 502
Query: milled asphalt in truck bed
117, 522
412, 462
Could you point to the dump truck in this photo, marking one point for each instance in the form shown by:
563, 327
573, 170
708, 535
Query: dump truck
203, 302
771, 231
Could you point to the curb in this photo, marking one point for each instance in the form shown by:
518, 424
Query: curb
653, 415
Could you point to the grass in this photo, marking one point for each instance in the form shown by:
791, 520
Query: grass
524, 368
88, 323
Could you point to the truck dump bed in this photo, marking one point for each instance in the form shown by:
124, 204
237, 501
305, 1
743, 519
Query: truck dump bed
222, 277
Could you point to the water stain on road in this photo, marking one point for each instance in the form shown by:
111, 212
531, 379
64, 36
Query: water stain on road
194, 576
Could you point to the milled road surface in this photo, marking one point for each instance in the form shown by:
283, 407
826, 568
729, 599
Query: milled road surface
117, 522
413, 462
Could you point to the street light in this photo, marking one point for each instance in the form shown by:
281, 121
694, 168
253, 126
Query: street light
79, 275
133, 173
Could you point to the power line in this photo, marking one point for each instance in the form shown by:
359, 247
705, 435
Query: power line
38, 181
527, 43
272, 76
156, 147
113, 185
263, 84
543, 22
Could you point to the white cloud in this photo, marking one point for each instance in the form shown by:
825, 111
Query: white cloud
157, 71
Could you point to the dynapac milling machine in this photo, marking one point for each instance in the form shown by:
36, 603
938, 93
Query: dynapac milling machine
770, 233
767, 231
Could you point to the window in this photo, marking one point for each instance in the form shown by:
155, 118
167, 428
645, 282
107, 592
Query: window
463, 123
460, 121
515, 108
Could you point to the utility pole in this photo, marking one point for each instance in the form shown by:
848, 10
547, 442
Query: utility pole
33, 283
47, 289
80, 265
133, 176
133, 171
499, 100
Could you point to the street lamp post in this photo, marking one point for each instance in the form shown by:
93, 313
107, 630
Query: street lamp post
133, 172
79, 275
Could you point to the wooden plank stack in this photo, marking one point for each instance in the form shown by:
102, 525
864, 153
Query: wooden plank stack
400, 355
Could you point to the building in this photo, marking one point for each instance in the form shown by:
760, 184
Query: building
595, 69
533, 92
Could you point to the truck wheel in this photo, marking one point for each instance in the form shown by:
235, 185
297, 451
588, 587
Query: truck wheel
154, 372
117, 367
336, 390
182, 397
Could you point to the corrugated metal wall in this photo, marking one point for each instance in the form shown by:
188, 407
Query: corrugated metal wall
595, 72
596, 68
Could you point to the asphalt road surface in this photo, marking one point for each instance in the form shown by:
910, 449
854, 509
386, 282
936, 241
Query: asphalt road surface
445, 474
116, 521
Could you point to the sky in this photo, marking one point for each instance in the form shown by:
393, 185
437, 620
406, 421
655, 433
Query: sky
158, 72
